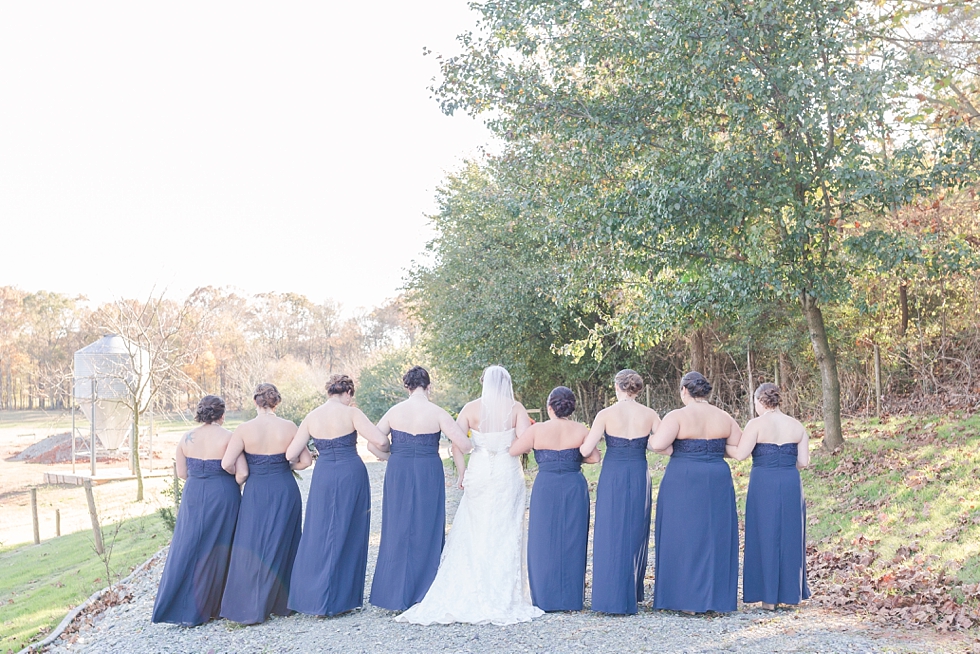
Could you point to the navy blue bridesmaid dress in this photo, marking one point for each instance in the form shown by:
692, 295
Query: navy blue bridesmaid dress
413, 521
197, 564
622, 526
266, 540
331, 563
558, 531
696, 531
774, 569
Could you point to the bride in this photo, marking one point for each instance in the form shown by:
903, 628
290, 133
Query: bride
483, 573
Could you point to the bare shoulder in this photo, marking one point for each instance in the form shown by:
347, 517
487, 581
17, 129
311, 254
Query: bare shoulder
470, 407
519, 406
674, 415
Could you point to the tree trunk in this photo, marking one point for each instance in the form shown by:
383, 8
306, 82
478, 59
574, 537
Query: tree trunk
829, 379
698, 360
903, 305
134, 455
788, 394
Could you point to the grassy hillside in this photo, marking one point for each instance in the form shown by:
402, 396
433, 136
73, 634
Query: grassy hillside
39, 584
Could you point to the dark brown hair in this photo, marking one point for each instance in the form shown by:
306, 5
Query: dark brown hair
210, 409
768, 395
416, 377
340, 384
562, 401
629, 381
267, 396
696, 384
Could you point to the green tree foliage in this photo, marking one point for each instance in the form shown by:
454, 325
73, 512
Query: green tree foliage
701, 155
492, 294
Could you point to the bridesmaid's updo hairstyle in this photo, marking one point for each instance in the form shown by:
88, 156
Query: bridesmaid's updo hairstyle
210, 409
340, 384
562, 401
768, 395
629, 381
417, 377
267, 396
696, 384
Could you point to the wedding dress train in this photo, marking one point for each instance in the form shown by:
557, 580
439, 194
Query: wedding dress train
482, 577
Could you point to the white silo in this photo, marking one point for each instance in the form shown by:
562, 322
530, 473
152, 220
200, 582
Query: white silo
108, 374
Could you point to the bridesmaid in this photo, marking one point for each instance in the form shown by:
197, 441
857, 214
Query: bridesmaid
774, 567
697, 526
331, 563
413, 518
622, 506
269, 521
194, 576
558, 525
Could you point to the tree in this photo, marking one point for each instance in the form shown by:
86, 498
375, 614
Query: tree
158, 345
734, 146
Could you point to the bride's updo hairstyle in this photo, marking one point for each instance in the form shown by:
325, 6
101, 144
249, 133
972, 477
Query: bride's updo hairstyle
696, 384
629, 381
417, 377
340, 384
768, 395
562, 401
210, 409
267, 396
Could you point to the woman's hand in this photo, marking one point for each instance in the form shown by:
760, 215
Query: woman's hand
459, 482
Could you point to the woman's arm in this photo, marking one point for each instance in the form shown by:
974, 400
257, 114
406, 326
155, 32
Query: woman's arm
460, 460
180, 460
367, 429
803, 451
667, 431
305, 460
381, 454
523, 420
236, 446
742, 448
241, 469
655, 424
299, 444
525, 442
453, 431
595, 435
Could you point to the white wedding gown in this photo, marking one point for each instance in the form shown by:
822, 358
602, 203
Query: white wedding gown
482, 576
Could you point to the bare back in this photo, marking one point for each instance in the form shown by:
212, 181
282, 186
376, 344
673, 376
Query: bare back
697, 420
330, 420
629, 419
414, 416
205, 442
703, 420
266, 434
469, 417
557, 435
777, 428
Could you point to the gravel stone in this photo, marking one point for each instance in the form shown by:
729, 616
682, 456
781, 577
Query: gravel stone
127, 628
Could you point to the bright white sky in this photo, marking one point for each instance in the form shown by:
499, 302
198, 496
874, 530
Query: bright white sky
281, 146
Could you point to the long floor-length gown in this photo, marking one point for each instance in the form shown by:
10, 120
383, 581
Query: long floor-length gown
696, 531
266, 540
622, 526
197, 564
558, 531
482, 577
774, 569
413, 521
331, 563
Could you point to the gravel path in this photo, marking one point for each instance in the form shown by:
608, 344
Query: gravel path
127, 628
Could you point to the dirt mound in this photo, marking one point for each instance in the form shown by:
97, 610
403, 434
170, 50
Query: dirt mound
57, 449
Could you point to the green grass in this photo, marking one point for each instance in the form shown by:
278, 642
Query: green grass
39, 584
